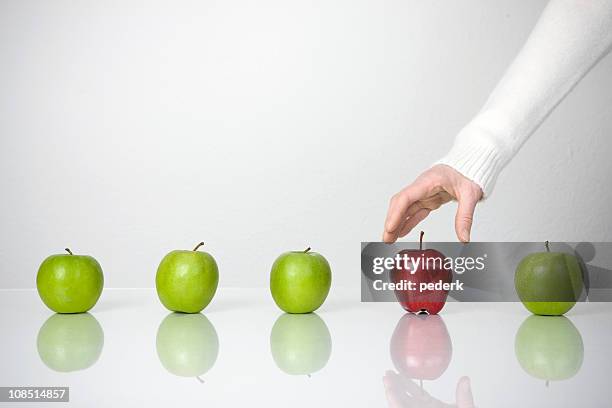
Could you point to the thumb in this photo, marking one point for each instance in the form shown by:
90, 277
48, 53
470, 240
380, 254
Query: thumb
464, 393
465, 216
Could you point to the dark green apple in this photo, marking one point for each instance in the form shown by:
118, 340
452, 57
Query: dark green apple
300, 344
300, 281
187, 344
70, 342
70, 283
549, 283
186, 281
549, 347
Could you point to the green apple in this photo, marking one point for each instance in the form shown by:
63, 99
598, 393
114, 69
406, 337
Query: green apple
187, 344
70, 342
549, 348
69, 283
300, 281
300, 344
186, 281
549, 283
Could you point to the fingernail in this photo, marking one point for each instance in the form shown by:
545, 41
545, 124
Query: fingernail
465, 236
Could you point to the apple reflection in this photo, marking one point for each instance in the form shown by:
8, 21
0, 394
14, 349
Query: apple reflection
70, 342
187, 344
421, 350
549, 348
300, 343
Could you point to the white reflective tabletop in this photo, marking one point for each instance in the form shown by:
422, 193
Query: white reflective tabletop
244, 350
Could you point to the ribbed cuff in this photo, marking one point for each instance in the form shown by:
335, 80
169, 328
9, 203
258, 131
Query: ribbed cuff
476, 155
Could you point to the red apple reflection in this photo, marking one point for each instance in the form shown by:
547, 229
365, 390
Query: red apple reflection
421, 347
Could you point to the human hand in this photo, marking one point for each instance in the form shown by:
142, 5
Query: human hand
435, 187
402, 392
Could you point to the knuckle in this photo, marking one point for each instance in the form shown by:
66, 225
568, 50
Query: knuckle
466, 219
472, 194
437, 179
474, 189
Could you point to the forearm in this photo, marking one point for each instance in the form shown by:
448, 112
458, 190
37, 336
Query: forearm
570, 37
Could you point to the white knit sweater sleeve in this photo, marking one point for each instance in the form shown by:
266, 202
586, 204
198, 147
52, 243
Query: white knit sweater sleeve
570, 37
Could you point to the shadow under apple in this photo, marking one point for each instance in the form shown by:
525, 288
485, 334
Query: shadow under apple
549, 348
300, 343
187, 344
70, 342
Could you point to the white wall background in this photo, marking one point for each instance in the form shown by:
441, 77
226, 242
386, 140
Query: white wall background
130, 128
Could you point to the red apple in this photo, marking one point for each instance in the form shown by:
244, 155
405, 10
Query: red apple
421, 347
429, 267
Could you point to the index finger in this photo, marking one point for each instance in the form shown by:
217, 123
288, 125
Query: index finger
401, 201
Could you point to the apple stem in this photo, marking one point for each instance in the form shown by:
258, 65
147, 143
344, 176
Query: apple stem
68, 250
199, 379
547, 383
309, 376
197, 246
421, 240
421, 386
547, 246
307, 249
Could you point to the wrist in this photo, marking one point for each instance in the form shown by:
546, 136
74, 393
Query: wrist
481, 150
